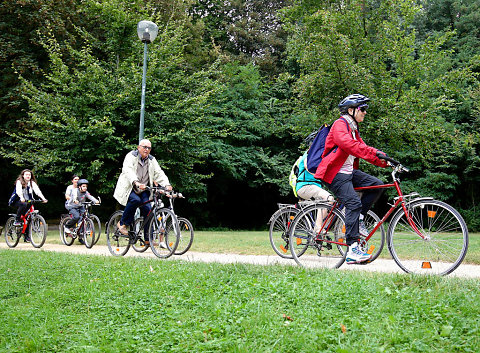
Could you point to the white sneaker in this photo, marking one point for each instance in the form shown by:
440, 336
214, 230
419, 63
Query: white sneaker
67, 231
163, 245
364, 232
356, 255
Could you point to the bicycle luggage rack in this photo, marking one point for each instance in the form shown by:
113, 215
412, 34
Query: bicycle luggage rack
406, 198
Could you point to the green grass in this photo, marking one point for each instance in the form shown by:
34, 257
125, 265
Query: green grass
56, 302
258, 243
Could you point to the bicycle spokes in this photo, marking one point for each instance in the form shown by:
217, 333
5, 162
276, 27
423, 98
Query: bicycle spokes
444, 240
313, 245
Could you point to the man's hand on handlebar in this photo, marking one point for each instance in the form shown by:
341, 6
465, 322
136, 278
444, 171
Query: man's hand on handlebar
392, 162
140, 186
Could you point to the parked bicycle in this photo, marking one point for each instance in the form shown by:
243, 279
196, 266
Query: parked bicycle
424, 235
163, 232
85, 230
33, 228
281, 224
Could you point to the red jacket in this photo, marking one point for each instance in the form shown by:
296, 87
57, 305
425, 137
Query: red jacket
340, 135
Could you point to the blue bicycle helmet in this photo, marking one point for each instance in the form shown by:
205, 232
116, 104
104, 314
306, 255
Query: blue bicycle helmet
353, 101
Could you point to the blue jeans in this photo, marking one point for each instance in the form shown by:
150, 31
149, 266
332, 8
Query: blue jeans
342, 186
75, 214
133, 202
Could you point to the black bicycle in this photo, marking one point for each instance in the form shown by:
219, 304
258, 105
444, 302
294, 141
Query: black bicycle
163, 230
96, 222
84, 229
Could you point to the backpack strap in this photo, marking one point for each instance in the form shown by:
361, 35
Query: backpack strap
347, 123
348, 128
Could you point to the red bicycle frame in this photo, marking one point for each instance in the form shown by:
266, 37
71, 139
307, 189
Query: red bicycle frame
26, 218
399, 200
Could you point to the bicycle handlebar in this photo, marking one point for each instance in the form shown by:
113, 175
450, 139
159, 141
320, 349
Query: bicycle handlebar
35, 201
92, 203
392, 162
164, 191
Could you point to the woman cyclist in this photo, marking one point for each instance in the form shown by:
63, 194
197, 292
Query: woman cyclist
25, 186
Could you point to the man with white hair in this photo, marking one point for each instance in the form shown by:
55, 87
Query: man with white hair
139, 170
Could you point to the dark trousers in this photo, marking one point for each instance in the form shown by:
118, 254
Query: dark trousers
75, 215
343, 187
134, 201
22, 208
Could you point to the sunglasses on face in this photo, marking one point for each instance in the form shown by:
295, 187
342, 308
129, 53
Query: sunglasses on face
146, 148
363, 109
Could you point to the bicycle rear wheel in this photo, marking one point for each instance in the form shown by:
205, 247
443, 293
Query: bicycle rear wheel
139, 245
98, 227
318, 241
280, 225
66, 239
37, 231
186, 236
12, 233
118, 244
88, 233
164, 233
445, 241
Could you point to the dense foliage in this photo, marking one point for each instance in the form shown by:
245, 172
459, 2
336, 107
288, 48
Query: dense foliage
233, 87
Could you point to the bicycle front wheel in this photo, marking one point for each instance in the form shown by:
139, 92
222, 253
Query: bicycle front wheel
317, 237
12, 233
280, 225
186, 236
442, 245
98, 227
88, 233
38, 231
164, 233
118, 244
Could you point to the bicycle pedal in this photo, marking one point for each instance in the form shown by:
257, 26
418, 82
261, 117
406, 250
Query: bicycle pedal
364, 263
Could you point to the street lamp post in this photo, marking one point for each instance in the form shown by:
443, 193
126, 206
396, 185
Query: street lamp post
147, 32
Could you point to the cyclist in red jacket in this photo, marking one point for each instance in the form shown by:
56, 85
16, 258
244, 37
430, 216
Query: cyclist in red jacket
339, 170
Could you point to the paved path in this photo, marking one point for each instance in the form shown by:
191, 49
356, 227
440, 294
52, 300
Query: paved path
379, 265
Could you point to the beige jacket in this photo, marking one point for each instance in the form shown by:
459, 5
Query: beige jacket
129, 176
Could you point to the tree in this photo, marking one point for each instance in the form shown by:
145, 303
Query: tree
243, 30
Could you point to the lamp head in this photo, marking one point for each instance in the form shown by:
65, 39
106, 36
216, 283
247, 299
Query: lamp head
147, 31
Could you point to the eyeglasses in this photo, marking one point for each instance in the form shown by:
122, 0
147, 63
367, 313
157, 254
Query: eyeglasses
363, 109
146, 148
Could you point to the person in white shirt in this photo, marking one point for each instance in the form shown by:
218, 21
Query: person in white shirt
70, 189
75, 204
25, 187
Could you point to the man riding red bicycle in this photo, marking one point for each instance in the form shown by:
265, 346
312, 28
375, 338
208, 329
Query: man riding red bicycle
339, 170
